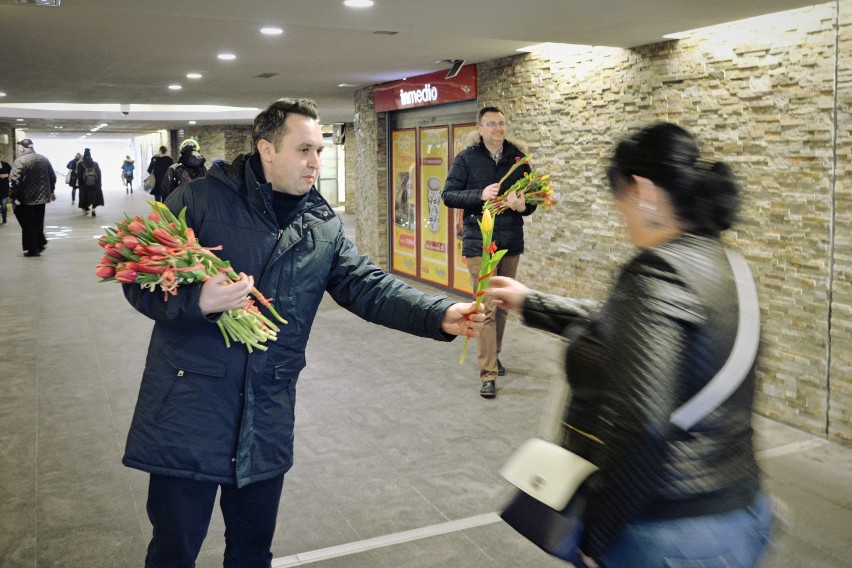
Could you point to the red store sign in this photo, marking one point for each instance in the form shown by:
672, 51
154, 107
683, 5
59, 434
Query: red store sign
426, 90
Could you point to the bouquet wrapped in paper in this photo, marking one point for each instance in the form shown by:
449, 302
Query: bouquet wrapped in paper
161, 252
534, 186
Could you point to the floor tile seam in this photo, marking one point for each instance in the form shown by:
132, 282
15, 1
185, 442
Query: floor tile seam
366, 545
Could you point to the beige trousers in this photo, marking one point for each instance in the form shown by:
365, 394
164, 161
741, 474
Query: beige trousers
490, 339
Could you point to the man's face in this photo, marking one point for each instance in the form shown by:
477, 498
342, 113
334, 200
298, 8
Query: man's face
492, 135
294, 167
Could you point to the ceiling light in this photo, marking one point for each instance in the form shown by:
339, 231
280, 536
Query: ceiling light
192, 122
20, 119
193, 75
175, 87
226, 56
271, 31
40, 2
2, 94
358, 3
346, 85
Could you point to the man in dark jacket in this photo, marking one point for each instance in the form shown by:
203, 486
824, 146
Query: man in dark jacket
31, 186
474, 179
210, 417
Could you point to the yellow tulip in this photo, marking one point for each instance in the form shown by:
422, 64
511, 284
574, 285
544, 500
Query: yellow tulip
487, 224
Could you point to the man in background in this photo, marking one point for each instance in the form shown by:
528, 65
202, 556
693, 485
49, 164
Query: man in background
5, 170
31, 186
474, 178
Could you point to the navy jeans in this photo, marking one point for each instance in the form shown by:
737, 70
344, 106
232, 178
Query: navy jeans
180, 510
734, 539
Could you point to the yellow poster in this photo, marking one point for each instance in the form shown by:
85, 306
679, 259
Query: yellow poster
434, 246
404, 180
461, 276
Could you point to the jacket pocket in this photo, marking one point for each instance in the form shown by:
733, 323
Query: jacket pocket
187, 365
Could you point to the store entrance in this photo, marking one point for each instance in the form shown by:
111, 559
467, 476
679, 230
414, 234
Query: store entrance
425, 234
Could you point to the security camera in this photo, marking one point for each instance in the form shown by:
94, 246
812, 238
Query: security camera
125, 112
125, 109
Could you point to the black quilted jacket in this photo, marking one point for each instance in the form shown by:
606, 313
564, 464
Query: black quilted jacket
664, 332
473, 169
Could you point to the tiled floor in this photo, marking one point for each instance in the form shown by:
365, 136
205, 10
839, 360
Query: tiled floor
393, 441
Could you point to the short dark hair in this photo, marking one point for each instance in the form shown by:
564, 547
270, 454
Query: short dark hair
483, 110
269, 124
163, 149
703, 192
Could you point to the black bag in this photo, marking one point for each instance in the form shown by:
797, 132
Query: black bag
90, 177
556, 532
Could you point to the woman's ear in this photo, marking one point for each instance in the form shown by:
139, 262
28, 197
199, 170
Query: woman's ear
646, 193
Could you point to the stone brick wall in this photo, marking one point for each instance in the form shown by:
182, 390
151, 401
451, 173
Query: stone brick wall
351, 166
7, 151
768, 95
371, 191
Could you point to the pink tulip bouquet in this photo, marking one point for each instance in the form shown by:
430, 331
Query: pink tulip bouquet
162, 252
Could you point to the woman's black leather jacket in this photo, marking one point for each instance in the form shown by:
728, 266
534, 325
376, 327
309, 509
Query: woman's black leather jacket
664, 332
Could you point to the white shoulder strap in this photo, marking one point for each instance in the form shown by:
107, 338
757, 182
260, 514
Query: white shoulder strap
742, 356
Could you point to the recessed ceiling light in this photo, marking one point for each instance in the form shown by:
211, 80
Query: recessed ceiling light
2, 94
226, 56
358, 3
271, 31
192, 122
175, 87
193, 75
20, 119
346, 85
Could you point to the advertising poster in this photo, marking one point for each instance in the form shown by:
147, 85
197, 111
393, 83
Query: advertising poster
434, 233
461, 276
404, 189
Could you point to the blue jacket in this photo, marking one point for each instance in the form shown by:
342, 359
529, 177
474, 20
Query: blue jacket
220, 414
472, 170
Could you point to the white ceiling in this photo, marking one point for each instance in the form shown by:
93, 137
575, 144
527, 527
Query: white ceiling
129, 51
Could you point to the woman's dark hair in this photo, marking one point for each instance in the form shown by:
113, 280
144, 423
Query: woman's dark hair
269, 124
703, 193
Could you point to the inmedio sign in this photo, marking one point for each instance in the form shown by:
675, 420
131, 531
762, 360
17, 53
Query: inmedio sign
426, 90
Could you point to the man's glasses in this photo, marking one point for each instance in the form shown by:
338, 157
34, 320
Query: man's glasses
492, 124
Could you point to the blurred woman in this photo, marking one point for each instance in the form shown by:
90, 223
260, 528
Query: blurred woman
665, 496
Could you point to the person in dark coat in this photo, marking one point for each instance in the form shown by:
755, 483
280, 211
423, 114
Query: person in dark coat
665, 496
211, 418
190, 166
89, 182
157, 167
32, 183
473, 179
5, 170
72, 167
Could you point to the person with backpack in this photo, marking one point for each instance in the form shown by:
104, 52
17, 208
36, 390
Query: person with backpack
190, 166
89, 183
127, 168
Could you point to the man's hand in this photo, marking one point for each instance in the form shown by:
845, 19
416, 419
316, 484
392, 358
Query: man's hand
459, 319
219, 293
52, 196
490, 192
516, 201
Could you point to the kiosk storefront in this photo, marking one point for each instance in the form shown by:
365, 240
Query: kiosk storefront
429, 117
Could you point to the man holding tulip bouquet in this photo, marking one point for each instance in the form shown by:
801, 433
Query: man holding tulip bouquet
211, 418
479, 173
